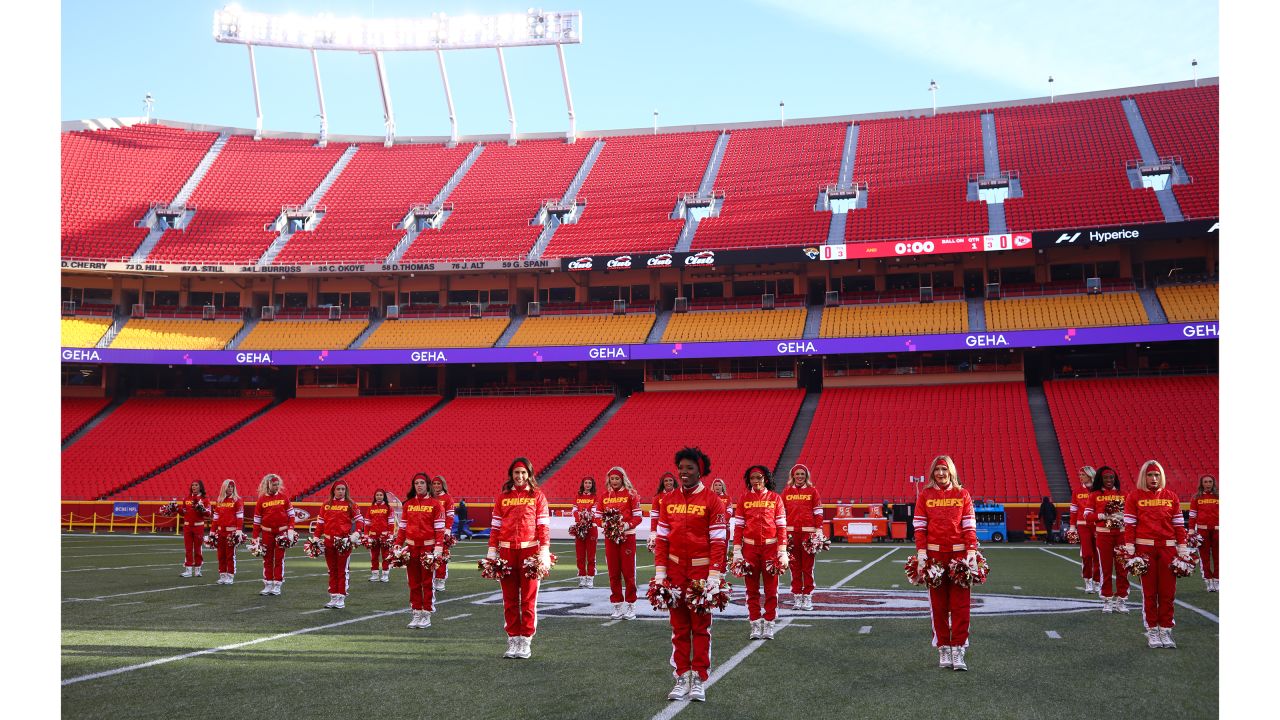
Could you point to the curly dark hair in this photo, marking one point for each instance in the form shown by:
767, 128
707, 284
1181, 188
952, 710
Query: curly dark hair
697, 456
1097, 477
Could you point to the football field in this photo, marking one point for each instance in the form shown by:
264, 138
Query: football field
140, 641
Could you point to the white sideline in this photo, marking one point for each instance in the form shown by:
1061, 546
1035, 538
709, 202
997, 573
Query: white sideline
676, 706
863, 569
177, 587
1138, 586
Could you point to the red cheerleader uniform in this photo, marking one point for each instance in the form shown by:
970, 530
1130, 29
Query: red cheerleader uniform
336, 520
621, 557
228, 517
193, 522
760, 528
585, 547
1088, 542
378, 525
804, 519
272, 517
946, 529
1204, 518
693, 529
421, 530
520, 528
446, 505
1153, 525
1108, 540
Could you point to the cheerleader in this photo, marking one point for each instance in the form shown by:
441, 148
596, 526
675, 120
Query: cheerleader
719, 487
440, 491
666, 484
520, 529
584, 508
1109, 534
336, 528
1204, 517
195, 511
946, 529
272, 518
620, 556
1084, 529
421, 534
804, 520
1154, 529
378, 526
761, 526
228, 519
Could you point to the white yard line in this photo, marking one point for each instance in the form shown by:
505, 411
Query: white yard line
863, 569
456, 617
1053, 634
611, 622
313, 612
1138, 586
134, 602
176, 587
148, 552
676, 706
864, 630
184, 607
255, 607
122, 567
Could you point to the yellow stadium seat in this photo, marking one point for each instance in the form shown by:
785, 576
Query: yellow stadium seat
444, 332
783, 323
303, 334
1189, 303
83, 332
583, 330
895, 319
161, 334
1065, 311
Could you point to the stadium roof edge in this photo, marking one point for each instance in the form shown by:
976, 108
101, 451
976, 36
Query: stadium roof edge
109, 123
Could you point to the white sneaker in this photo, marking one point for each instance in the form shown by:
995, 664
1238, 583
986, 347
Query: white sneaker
629, 612
339, 601
439, 585
617, 611
681, 690
1166, 638
766, 630
957, 658
582, 581
1122, 604
797, 602
697, 692
186, 572
944, 656
523, 647
275, 587
373, 576
222, 578
591, 581
1088, 586
425, 620
1153, 638
386, 576
266, 587
1213, 585
1107, 606
417, 616
513, 647
198, 573
231, 578
333, 601
808, 601
755, 630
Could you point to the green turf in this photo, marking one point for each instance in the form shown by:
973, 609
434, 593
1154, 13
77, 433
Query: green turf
582, 668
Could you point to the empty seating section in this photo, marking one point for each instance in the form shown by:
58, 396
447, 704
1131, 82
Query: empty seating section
152, 334
110, 178
865, 443
82, 332
246, 188
1071, 158
500, 194
375, 190
1065, 311
446, 332
78, 411
466, 443
771, 178
898, 319
583, 330
631, 191
1184, 123
917, 173
1125, 422
1189, 303
304, 440
736, 428
779, 324
303, 335
145, 433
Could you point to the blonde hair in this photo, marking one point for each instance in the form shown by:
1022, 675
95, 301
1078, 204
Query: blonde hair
1089, 471
1142, 474
621, 472
264, 487
228, 484
1200, 484
951, 469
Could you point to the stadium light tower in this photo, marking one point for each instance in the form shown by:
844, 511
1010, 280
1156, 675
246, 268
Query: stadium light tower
1195, 81
438, 32
655, 122
148, 103
782, 112
933, 93
1051, 88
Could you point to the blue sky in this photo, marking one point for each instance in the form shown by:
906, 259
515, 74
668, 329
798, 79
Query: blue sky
694, 62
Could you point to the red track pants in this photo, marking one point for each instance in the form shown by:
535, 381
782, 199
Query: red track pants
1208, 554
380, 557
949, 608
273, 558
1088, 552
519, 594
756, 555
192, 542
339, 568
1109, 565
621, 560
421, 592
801, 567
226, 552
586, 551
1158, 586
690, 641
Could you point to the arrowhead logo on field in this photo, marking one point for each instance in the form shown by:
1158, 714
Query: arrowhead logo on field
1064, 237
843, 603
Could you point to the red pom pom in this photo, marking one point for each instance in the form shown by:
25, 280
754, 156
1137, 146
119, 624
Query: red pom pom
313, 547
815, 543
1113, 515
1073, 536
1194, 540
495, 569
932, 574
615, 529
661, 595
741, 568
701, 595
960, 573
284, 541
534, 570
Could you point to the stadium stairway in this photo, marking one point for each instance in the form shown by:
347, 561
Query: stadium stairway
812, 322
193, 451
184, 194
510, 332
799, 433
93, 422
583, 438
977, 315
996, 221
116, 326
438, 201
659, 327
835, 233
1055, 471
374, 324
685, 241
311, 203
570, 195
1151, 303
373, 452
249, 324
1168, 203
